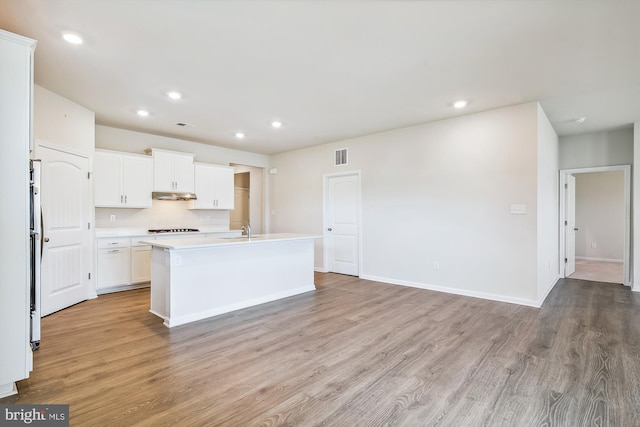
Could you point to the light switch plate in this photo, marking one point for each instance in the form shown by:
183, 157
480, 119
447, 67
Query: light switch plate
518, 209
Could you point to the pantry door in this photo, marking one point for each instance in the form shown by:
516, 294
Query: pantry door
66, 215
342, 227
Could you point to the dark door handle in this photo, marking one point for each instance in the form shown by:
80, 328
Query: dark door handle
329, 229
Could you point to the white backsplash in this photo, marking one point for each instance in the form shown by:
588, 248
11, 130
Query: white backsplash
162, 214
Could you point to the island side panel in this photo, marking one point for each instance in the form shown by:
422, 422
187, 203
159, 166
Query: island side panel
160, 274
208, 281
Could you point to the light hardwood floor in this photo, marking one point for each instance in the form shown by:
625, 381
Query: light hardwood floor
353, 353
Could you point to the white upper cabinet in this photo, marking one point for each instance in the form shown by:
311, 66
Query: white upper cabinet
214, 187
172, 171
122, 180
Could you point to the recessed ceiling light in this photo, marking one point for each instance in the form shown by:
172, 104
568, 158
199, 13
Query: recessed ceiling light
174, 95
72, 38
460, 104
276, 124
580, 119
240, 135
142, 113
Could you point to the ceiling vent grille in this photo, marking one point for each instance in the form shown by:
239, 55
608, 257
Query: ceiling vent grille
341, 157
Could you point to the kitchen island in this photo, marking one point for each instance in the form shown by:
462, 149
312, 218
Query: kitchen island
195, 278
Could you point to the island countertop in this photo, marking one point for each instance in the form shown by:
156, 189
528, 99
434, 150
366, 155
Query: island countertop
194, 242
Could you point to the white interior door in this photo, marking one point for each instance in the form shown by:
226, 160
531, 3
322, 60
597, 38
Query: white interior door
570, 227
342, 207
66, 235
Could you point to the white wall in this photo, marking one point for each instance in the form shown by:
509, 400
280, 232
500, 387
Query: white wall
168, 214
548, 208
62, 122
600, 215
607, 148
163, 214
440, 191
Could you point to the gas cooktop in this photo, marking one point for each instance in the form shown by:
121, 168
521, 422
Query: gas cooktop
173, 230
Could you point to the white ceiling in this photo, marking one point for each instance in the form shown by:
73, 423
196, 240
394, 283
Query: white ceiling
331, 70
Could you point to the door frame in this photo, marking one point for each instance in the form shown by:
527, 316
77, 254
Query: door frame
325, 225
627, 214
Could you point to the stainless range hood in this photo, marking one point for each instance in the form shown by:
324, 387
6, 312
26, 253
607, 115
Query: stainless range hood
162, 195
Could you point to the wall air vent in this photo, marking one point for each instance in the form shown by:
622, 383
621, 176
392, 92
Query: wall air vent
341, 157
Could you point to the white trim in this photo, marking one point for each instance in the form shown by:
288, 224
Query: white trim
463, 292
587, 258
627, 206
325, 248
8, 389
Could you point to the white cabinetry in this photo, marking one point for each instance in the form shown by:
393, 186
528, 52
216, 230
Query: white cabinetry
172, 171
114, 262
122, 180
16, 81
214, 187
123, 262
140, 261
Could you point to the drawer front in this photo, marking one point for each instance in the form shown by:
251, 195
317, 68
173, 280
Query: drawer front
120, 242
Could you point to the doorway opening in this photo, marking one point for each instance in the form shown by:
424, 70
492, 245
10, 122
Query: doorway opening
248, 190
595, 224
240, 215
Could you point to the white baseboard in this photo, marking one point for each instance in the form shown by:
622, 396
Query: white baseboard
113, 289
321, 270
586, 258
456, 291
8, 390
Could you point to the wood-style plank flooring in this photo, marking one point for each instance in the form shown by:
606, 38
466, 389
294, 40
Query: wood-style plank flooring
353, 353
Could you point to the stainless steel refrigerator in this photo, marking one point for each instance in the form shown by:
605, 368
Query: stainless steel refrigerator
35, 224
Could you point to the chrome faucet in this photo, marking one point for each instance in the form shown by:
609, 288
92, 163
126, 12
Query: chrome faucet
247, 229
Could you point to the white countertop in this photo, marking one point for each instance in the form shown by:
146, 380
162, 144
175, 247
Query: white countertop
205, 242
138, 232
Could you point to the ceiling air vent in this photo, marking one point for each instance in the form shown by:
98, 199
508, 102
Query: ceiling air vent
341, 157
183, 124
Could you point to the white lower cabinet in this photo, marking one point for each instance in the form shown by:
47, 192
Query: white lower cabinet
123, 262
140, 264
114, 263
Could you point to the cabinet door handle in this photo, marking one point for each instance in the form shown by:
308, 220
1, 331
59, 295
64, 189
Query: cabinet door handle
121, 198
112, 243
125, 199
114, 251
